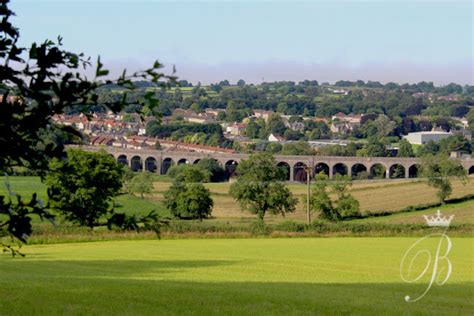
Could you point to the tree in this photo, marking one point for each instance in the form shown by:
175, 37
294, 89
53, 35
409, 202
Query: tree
345, 205
142, 183
405, 149
259, 189
439, 170
320, 201
212, 167
127, 176
83, 186
188, 200
375, 148
37, 83
189, 174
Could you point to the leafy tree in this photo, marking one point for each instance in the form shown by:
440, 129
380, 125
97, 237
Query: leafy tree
83, 186
142, 183
188, 200
439, 170
297, 148
37, 83
405, 149
189, 174
259, 189
345, 205
212, 167
275, 124
320, 201
454, 143
375, 148
127, 176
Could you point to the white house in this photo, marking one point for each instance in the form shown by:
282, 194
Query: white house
275, 138
420, 138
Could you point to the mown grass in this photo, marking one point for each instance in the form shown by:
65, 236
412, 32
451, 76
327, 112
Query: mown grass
312, 276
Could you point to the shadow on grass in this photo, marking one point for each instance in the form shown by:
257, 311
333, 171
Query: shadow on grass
163, 297
106, 268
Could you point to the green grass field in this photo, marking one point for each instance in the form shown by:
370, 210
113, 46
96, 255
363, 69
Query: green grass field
283, 276
374, 196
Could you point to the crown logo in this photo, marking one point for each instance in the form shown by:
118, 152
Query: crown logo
438, 220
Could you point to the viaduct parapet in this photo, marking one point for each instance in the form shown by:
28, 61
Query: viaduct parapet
160, 161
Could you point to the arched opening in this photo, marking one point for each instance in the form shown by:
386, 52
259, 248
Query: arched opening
230, 168
299, 172
359, 171
196, 161
183, 161
150, 164
321, 167
414, 171
339, 168
471, 170
136, 163
167, 163
286, 169
377, 171
396, 171
123, 160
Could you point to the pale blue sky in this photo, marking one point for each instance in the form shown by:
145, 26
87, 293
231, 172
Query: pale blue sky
276, 40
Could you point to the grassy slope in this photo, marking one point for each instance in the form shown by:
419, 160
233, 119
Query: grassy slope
241, 277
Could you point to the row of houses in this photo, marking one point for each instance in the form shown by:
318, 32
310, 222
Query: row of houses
99, 124
143, 142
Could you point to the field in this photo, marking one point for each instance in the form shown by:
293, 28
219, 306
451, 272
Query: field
374, 196
282, 276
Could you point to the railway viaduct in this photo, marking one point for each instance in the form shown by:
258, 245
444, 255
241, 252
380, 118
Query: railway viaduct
389, 167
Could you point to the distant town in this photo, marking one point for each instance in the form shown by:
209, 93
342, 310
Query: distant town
343, 119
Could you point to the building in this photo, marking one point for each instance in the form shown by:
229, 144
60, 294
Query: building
275, 138
420, 138
236, 129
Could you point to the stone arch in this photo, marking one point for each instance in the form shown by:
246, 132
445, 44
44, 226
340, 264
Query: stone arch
136, 163
471, 170
286, 168
150, 164
123, 160
230, 167
377, 171
414, 171
359, 171
340, 168
196, 161
396, 171
183, 161
321, 167
299, 172
167, 163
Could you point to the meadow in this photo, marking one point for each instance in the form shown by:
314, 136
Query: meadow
283, 276
387, 198
374, 196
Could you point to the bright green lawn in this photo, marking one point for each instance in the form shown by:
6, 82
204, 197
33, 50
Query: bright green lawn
229, 276
26, 186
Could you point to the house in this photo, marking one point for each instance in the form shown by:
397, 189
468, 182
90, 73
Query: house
341, 127
236, 129
420, 138
101, 140
275, 138
351, 118
262, 113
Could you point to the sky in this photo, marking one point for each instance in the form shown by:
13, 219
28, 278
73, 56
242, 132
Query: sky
208, 41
